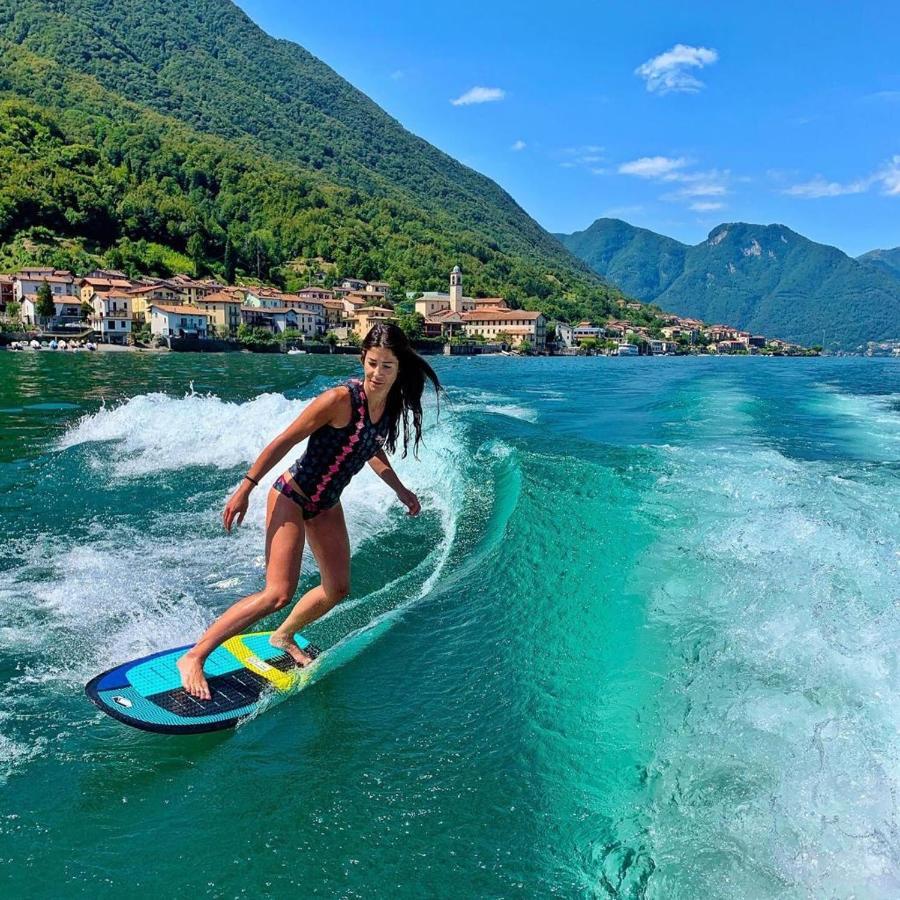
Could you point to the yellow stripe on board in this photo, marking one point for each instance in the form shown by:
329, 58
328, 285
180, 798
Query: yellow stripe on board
282, 681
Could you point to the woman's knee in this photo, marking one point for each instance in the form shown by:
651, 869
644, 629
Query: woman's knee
337, 591
276, 597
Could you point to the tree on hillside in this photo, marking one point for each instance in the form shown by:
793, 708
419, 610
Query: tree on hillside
195, 252
229, 262
45, 308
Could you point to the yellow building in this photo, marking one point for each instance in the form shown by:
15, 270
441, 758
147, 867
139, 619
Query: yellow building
224, 310
368, 316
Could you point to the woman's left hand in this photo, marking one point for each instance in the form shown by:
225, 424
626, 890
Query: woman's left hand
410, 501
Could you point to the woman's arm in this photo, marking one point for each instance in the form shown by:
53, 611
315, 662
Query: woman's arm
382, 467
328, 408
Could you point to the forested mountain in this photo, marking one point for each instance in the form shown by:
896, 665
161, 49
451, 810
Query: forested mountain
762, 278
150, 129
884, 259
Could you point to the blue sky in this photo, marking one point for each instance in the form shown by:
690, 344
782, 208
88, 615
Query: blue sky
674, 117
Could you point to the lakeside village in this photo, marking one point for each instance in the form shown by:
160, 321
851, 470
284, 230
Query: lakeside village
47, 308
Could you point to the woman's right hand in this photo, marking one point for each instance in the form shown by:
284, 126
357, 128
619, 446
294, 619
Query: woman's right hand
236, 508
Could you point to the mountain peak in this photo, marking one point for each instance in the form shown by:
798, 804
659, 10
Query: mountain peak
763, 278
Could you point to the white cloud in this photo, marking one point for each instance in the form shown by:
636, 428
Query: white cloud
518, 145
397, 74
711, 183
663, 167
706, 206
668, 72
586, 156
700, 184
886, 178
479, 95
819, 187
889, 177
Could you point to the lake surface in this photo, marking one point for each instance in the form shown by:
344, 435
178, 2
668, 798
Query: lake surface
642, 641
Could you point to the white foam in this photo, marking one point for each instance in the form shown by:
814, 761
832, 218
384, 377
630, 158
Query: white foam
514, 412
782, 600
158, 433
868, 424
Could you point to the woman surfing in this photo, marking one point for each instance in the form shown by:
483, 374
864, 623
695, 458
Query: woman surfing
347, 426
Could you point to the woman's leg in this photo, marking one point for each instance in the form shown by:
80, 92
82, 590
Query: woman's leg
328, 540
284, 549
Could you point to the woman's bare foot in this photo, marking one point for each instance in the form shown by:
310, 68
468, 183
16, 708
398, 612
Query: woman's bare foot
192, 678
287, 643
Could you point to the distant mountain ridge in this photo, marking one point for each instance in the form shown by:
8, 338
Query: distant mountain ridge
762, 278
885, 259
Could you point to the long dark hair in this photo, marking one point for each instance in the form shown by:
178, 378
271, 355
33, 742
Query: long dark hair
405, 396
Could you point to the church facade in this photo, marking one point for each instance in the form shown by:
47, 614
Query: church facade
453, 314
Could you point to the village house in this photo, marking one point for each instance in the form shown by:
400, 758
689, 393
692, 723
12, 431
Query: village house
224, 310
336, 315
144, 296
273, 318
730, 346
67, 311
367, 316
519, 325
365, 297
351, 306
315, 293
90, 285
618, 327
718, 333
192, 290
177, 321
574, 335
27, 281
111, 317
310, 314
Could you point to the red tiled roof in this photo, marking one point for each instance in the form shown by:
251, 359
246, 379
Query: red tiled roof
501, 315
219, 297
182, 310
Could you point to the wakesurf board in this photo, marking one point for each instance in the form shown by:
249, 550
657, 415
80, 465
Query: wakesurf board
146, 693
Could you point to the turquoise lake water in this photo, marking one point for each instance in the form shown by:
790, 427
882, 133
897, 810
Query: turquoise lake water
641, 643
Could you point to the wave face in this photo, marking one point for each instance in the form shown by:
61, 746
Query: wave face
641, 642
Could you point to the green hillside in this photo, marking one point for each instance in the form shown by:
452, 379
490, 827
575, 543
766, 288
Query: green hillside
647, 262
140, 129
886, 260
762, 278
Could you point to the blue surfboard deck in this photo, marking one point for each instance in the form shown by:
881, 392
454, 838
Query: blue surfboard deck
146, 693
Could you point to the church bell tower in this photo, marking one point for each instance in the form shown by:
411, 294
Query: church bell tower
456, 296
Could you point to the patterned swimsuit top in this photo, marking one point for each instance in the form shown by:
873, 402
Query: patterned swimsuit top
334, 455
